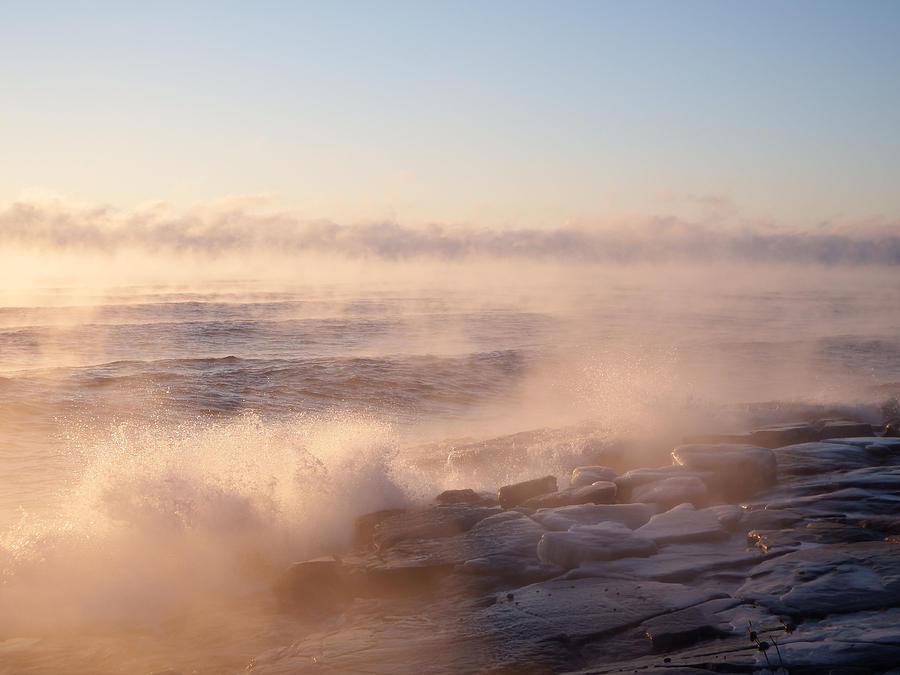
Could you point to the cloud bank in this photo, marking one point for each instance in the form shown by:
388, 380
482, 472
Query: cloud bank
229, 229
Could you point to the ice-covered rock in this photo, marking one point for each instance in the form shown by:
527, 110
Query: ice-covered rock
601, 492
635, 478
565, 517
585, 475
671, 491
683, 523
515, 494
582, 543
732, 472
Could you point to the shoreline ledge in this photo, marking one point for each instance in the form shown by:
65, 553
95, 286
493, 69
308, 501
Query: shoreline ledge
734, 558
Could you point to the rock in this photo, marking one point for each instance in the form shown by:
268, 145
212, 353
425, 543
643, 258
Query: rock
671, 491
863, 441
515, 494
601, 492
312, 585
771, 519
683, 523
505, 546
631, 516
465, 496
686, 627
729, 515
735, 472
630, 480
717, 439
533, 631
839, 503
827, 579
585, 475
823, 457
843, 428
786, 434
365, 525
679, 563
582, 543
817, 532
430, 523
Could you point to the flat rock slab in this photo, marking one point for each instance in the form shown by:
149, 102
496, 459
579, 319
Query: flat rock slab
863, 441
832, 578
601, 492
678, 563
631, 516
686, 627
817, 458
671, 491
815, 532
684, 523
841, 503
736, 471
583, 543
542, 623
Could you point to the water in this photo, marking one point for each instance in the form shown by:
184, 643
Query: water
166, 450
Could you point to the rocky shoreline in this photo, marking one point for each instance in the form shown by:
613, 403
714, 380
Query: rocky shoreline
771, 551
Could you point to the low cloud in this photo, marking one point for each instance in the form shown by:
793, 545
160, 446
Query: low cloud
237, 227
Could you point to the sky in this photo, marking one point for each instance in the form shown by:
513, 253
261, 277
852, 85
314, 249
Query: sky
499, 114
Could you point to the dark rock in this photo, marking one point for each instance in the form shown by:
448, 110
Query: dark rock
583, 543
817, 532
515, 494
503, 546
563, 518
729, 515
585, 475
823, 457
365, 525
787, 434
686, 627
772, 519
679, 563
313, 585
838, 503
827, 579
464, 496
863, 441
601, 492
682, 524
430, 523
735, 472
671, 491
717, 439
547, 620
843, 429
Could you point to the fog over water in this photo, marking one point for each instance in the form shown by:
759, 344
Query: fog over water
189, 402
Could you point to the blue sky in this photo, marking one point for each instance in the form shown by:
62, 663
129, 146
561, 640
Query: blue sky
483, 113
